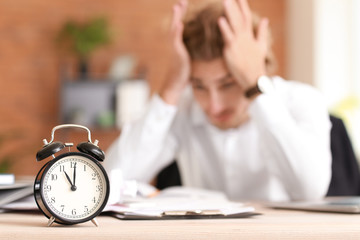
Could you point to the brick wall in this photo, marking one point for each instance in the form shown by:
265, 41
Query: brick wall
30, 62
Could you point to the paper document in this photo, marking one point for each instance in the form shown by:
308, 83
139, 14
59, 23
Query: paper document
13, 192
24, 204
180, 202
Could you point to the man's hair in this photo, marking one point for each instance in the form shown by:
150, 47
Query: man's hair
202, 36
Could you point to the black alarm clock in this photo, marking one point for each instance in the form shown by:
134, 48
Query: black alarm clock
73, 187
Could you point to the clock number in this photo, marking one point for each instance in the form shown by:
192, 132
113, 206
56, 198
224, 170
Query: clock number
72, 164
52, 200
62, 168
53, 177
98, 188
94, 200
62, 208
48, 187
73, 212
86, 209
84, 168
93, 175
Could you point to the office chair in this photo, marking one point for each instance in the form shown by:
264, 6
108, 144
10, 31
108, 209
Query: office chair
345, 179
168, 177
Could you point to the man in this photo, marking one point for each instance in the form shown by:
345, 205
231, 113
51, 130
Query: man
237, 130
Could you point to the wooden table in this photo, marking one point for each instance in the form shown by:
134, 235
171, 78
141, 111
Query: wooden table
273, 224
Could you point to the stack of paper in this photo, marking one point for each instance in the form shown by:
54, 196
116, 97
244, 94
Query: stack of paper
180, 202
12, 192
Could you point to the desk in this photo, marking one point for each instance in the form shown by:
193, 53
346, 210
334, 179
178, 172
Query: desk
273, 224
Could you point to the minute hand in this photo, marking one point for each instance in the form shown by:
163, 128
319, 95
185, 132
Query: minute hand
74, 175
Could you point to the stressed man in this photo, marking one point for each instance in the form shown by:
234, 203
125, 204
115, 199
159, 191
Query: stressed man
230, 125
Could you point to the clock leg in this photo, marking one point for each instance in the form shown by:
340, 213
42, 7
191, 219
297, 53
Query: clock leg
95, 222
51, 220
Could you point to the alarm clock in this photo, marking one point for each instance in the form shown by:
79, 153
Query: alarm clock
73, 187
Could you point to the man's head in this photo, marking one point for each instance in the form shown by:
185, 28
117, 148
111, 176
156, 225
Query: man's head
215, 89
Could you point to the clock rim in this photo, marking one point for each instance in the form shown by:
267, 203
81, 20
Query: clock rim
41, 203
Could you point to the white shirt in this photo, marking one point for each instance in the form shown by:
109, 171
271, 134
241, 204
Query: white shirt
282, 153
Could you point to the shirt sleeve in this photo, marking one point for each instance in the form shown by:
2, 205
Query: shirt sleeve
146, 145
295, 134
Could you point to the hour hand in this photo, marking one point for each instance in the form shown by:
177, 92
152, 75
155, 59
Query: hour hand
68, 178
73, 187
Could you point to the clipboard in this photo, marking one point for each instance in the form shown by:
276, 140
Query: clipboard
185, 216
179, 215
180, 203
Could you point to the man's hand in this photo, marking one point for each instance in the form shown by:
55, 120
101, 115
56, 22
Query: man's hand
244, 52
178, 74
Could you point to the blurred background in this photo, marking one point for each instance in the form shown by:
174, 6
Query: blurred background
79, 61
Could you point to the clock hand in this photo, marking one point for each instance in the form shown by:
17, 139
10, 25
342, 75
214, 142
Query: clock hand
67, 176
74, 176
73, 187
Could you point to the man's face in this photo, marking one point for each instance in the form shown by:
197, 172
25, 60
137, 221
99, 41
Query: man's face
219, 94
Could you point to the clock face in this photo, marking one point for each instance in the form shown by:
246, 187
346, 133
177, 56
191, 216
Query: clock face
74, 188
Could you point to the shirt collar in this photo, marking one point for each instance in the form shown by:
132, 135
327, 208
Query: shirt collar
198, 117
